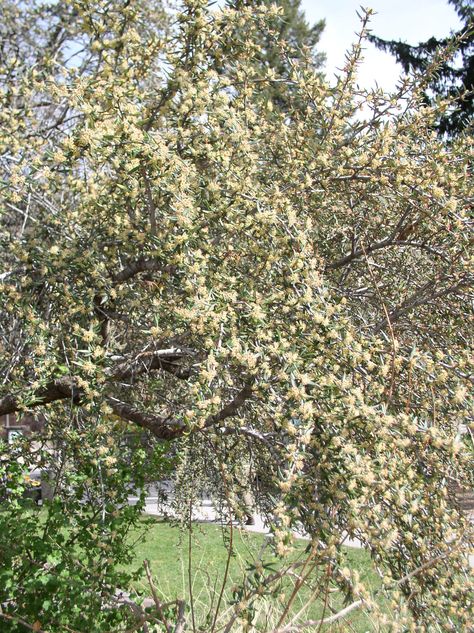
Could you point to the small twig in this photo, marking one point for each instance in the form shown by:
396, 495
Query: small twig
190, 578
298, 584
429, 563
389, 323
295, 628
16, 619
229, 551
326, 598
156, 600
150, 203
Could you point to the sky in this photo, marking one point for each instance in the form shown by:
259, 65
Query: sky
409, 20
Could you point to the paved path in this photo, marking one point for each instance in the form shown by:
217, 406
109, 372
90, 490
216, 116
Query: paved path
206, 512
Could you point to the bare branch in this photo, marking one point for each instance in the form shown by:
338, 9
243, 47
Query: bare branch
165, 359
167, 428
385, 243
232, 408
253, 434
424, 295
161, 427
67, 388
294, 628
154, 593
60, 389
150, 203
139, 266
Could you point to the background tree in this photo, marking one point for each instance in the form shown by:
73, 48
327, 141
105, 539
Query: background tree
231, 279
288, 38
292, 30
453, 78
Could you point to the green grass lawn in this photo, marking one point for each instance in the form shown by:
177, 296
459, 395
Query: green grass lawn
166, 548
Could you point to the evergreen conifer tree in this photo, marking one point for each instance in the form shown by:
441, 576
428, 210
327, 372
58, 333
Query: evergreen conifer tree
454, 75
291, 38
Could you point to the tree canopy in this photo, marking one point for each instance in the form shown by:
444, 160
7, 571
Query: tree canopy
236, 286
453, 78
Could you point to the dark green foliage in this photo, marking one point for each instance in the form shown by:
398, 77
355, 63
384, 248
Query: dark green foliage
453, 77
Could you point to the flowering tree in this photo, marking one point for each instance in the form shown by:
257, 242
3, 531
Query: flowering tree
182, 258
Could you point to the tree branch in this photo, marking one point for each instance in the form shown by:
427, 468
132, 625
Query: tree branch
150, 203
165, 359
128, 272
161, 427
231, 409
60, 389
139, 266
66, 387
422, 296
256, 435
164, 428
385, 243
295, 628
